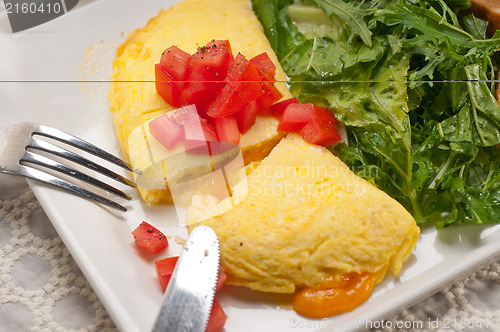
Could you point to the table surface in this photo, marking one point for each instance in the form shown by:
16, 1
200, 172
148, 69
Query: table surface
42, 289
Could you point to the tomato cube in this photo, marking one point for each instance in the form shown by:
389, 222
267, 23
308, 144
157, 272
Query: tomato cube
227, 130
211, 61
167, 87
185, 114
150, 238
166, 131
295, 117
197, 135
270, 96
217, 318
320, 131
200, 93
164, 269
277, 109
264, 64
221, 280
174, 62
241, 88
246, 118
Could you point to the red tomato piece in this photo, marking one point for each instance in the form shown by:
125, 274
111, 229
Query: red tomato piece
324, 113
221, 280
321, 131
246, 118
167, 88
295, 117
264, 64
200, 93
164, 269
241, 88
185, 114
197, 135
217, 318
270, 96
207, 69
150, 238
227, 130
212, 61
174, 62
167, 132
277, 109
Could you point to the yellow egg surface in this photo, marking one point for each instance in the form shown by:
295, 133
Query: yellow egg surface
188, 25
307, 217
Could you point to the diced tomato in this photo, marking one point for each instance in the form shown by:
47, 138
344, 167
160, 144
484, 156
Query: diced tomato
207, 69
270, 96
174, 62
167, 88
164, 269
264, 64
212, 61
150, 238
324, 113
167, 132
295, 117
217, 318
246, 118
227, 130
197, 135
321, 131
242, 87
277, 109
221, 280
185, 114
200, 91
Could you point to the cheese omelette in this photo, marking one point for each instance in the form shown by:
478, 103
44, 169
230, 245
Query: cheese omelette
306, 217
188, 25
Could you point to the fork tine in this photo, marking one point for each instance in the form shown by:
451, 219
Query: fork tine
54, 165
35, 174
79, 143
63, 153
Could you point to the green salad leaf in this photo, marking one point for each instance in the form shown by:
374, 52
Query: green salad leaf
413, 82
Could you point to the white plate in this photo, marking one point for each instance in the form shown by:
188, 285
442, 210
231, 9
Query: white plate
80, 46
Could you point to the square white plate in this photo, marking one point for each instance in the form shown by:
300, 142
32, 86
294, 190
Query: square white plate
80, 46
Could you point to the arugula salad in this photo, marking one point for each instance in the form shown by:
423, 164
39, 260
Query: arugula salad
413, 81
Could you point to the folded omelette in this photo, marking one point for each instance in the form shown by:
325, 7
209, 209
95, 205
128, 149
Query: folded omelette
307, 217
187, 25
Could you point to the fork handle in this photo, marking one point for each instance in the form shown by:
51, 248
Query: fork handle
35, 174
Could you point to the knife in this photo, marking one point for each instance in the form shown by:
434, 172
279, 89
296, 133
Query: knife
190, 292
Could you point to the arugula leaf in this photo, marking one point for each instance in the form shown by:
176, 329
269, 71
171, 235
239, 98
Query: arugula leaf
477, 119
352, 15
280, 31
429, 144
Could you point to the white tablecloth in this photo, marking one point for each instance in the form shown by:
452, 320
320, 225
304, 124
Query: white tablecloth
42, 289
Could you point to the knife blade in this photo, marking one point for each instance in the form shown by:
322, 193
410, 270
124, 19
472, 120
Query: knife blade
190, 292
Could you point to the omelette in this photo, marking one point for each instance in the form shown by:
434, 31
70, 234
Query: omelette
307, 217
187, 25
301, 217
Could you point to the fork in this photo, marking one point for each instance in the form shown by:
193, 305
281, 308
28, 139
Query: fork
19, 145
